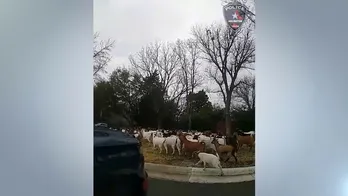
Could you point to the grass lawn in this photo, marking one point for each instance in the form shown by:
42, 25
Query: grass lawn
245, 158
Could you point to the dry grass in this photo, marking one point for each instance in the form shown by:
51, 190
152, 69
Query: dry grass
245, 158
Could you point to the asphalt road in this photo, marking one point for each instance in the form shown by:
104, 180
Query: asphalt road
171, 188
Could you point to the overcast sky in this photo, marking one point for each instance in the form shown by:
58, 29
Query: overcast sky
135, 23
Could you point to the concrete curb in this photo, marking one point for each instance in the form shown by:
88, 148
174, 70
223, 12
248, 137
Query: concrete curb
197, 175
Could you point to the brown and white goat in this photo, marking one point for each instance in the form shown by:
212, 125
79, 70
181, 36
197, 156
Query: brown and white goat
191, 147
225, 149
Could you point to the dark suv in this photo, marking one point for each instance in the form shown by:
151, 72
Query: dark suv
118, 164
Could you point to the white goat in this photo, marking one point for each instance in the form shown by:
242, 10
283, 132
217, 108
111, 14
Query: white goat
221, 141
147, 135
207, 141
211, 160
159, 134
174, 142
157, 141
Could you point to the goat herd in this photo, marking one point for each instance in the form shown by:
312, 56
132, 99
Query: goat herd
209, 147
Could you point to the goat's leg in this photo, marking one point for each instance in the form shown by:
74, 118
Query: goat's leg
235, 156
193, 153
221, 174
166, 148
204, 165
173, 147
228, 155
228, 158
199, 162
178, 147
220, 156
160, 147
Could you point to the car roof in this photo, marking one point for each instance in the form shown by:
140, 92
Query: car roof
106, 137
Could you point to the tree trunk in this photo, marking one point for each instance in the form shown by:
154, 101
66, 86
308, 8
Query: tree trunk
159, 123
228, 122
190, 122
189, 117
228, 115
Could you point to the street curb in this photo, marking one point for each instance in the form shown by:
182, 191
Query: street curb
197, 175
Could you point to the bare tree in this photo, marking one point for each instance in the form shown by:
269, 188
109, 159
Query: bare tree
188, 54
101, 55
161, 58
250, 11
245, 93
229, 53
